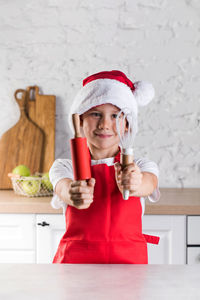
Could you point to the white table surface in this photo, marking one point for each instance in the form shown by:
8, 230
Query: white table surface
63, 282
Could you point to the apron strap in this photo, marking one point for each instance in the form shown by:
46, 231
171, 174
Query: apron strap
152, 239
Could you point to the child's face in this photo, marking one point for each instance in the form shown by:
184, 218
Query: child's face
99, 127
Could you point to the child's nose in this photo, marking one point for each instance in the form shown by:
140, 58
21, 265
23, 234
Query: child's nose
104, 123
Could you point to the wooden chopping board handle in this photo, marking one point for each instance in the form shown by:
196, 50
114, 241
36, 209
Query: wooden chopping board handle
20, 100
34, 89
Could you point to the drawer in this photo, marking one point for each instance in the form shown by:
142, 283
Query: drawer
193, 255
193, 230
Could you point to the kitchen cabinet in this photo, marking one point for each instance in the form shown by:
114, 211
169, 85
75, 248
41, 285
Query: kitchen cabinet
171, 229
50, 229
17, 238
34, 238
193, 255
30, 238
172, 232
193, 240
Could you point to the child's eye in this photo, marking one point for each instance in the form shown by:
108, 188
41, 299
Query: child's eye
95, 114
114, 116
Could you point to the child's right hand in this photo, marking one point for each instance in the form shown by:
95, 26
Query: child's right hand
81, 193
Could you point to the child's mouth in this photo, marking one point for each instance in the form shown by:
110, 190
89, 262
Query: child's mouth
103, 136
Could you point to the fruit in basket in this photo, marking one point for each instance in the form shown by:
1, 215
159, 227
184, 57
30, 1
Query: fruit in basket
21, 170
30, 187
46, 182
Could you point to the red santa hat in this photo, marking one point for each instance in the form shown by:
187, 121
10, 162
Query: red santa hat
111, 87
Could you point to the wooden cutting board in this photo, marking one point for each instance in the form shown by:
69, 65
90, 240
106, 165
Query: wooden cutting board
41, 110
22, 144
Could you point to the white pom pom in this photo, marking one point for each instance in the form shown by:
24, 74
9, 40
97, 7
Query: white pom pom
144, 92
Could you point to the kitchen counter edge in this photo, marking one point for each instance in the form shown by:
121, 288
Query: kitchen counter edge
173, 201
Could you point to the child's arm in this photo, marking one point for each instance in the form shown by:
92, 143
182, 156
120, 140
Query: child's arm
139, 184
68, 191
76, 193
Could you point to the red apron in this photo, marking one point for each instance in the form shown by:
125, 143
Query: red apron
109, 231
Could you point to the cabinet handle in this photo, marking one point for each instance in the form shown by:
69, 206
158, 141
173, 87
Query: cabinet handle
43, 224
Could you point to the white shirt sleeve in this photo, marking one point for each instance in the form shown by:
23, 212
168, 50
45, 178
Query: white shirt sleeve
146, 165
61, 168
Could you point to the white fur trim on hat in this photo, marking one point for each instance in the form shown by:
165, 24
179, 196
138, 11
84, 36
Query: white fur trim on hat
102, 91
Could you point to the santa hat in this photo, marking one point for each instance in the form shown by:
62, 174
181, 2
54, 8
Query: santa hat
111, 87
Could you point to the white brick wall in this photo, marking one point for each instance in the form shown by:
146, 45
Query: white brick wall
56, 43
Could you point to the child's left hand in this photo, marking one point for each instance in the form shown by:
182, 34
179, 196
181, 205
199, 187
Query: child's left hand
130, 178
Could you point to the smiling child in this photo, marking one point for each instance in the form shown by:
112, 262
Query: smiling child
102, 227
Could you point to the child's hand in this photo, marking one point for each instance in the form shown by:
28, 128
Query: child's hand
130, 178
81, 193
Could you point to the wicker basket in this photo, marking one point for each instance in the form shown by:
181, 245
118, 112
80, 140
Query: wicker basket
32, 186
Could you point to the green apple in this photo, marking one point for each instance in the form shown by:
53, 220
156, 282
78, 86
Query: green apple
21, 170
46, 182
30, 187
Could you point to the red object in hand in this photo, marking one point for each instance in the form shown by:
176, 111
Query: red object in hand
80, 153
80, 158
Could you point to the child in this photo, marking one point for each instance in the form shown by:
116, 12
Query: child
102, 227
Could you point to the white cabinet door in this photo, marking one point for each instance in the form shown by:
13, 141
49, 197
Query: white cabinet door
50, 229
172, 232
17, 238
193, 255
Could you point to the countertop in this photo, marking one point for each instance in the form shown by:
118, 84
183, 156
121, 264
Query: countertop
173, 201
85, 282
